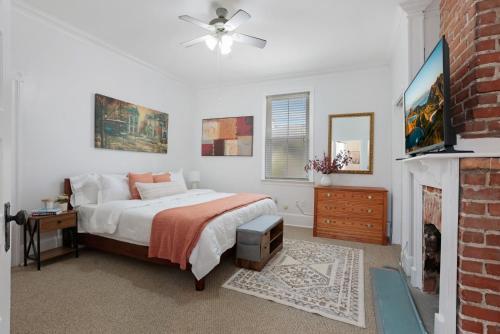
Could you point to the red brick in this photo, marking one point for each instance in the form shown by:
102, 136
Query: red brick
479, 282
480, 223
488, 44
475, 163
487, 98
494, 209
487, 4
486, 112
493, 240
493, 329
487, 18
492, 269
471, 296
471, 326
473, 208
488, 30
493, 125
473, 237
488, 86
492, 299
471, 266
495, 164
481, 253
475, 178
480, 313
481, 193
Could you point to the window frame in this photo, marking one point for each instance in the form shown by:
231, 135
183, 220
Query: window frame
309, 180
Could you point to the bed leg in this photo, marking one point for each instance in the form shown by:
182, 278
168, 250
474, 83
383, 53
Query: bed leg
199, 284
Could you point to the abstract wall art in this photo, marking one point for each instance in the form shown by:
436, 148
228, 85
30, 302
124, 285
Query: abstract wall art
231, 136
125, 126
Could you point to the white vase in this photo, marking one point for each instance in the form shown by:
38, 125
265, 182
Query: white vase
325, 180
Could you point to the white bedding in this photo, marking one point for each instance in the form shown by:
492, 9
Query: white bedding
130, 221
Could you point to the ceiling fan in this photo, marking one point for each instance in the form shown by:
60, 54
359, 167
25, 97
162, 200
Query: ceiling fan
221, 31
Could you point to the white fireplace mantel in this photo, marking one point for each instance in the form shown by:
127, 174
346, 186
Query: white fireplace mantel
439, 171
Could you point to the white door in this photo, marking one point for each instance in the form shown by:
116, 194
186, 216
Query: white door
6, 158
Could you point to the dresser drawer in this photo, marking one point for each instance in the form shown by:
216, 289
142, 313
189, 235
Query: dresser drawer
348, 208
369, 197
324, 194
56, 222
347, 224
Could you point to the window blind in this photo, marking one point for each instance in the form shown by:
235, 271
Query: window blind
287, 136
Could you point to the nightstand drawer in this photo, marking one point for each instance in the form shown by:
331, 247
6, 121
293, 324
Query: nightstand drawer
56, 222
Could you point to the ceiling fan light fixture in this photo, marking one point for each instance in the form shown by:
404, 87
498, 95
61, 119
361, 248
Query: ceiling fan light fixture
226, 40
224, 49
211, 42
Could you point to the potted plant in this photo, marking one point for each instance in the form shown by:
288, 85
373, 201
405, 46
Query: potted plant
62, 202
327, 166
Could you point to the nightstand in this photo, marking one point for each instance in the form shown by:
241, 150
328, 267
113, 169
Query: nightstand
66, 221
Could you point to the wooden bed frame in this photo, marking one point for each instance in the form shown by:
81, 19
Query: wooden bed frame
124, 248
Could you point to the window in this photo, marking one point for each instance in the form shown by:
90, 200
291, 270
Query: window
287, 136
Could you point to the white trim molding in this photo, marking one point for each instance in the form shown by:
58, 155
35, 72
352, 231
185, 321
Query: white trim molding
439, 171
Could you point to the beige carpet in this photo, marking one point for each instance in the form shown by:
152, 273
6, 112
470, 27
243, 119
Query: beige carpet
101, 293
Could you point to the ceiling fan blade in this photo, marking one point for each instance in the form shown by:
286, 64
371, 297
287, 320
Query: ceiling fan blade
197, 22
236, 20
250, 40
195, 41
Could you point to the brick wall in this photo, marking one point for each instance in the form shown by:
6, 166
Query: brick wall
479, 246
472, 29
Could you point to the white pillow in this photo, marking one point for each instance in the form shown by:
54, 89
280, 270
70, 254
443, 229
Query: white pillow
114, 187
85, 189
160, 189
179, 177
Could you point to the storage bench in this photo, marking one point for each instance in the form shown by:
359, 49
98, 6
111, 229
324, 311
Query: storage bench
258, 241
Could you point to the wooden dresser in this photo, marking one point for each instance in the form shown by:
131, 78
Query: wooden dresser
351, 213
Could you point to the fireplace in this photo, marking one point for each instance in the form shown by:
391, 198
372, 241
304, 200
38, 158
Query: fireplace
431, 254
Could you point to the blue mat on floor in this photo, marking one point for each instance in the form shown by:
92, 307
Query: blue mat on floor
394, 307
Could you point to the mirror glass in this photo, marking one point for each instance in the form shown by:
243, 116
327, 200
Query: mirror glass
352, 133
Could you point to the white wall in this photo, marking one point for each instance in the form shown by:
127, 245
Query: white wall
61, 72
367, 90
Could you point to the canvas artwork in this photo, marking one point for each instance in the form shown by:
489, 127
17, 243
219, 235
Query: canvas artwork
125, 126
231, 136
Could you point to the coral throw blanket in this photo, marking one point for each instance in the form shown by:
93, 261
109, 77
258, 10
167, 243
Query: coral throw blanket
176, 231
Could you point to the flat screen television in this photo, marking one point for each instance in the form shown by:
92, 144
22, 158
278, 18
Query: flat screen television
427, 105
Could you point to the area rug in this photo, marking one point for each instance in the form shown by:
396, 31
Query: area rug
313, 277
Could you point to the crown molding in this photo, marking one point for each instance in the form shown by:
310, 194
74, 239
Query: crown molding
76, 33
415, 7
299, 75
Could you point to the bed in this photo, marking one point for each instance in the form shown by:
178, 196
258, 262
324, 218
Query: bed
124, 227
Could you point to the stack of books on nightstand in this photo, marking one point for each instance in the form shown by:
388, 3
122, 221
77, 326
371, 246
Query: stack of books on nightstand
46, 212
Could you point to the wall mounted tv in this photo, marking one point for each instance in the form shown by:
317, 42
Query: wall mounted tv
427, 105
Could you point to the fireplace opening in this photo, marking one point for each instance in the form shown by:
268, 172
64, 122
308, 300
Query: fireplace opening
432, 198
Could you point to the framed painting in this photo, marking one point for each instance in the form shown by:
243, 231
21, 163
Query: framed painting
125, 126
230, 136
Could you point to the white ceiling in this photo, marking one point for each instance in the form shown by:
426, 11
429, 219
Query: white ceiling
303, 36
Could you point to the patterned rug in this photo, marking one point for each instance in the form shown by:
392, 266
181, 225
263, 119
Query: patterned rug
318, 278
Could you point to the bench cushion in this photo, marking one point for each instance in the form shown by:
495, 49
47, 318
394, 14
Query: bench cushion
260, 225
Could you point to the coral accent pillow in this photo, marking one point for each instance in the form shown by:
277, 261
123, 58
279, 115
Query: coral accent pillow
165, 177
133, 178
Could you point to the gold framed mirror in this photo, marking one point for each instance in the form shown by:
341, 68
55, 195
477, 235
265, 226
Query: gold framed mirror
353, 133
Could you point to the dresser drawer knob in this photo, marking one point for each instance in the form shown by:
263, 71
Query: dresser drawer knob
369, 210
59, 221
328, 221
328, 195
370, 197
369, 225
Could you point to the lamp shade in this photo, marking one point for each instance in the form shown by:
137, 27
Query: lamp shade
194, 176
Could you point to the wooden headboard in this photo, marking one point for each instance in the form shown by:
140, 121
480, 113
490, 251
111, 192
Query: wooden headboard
67, 191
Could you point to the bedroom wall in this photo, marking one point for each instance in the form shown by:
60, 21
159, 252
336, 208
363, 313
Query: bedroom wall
364, 90
60, 72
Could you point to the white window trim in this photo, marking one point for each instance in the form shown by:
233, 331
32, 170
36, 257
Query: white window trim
311, 135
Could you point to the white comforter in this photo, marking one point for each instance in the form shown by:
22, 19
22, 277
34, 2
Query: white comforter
131, 221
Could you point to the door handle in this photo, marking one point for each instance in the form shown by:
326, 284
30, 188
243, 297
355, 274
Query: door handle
19, 218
